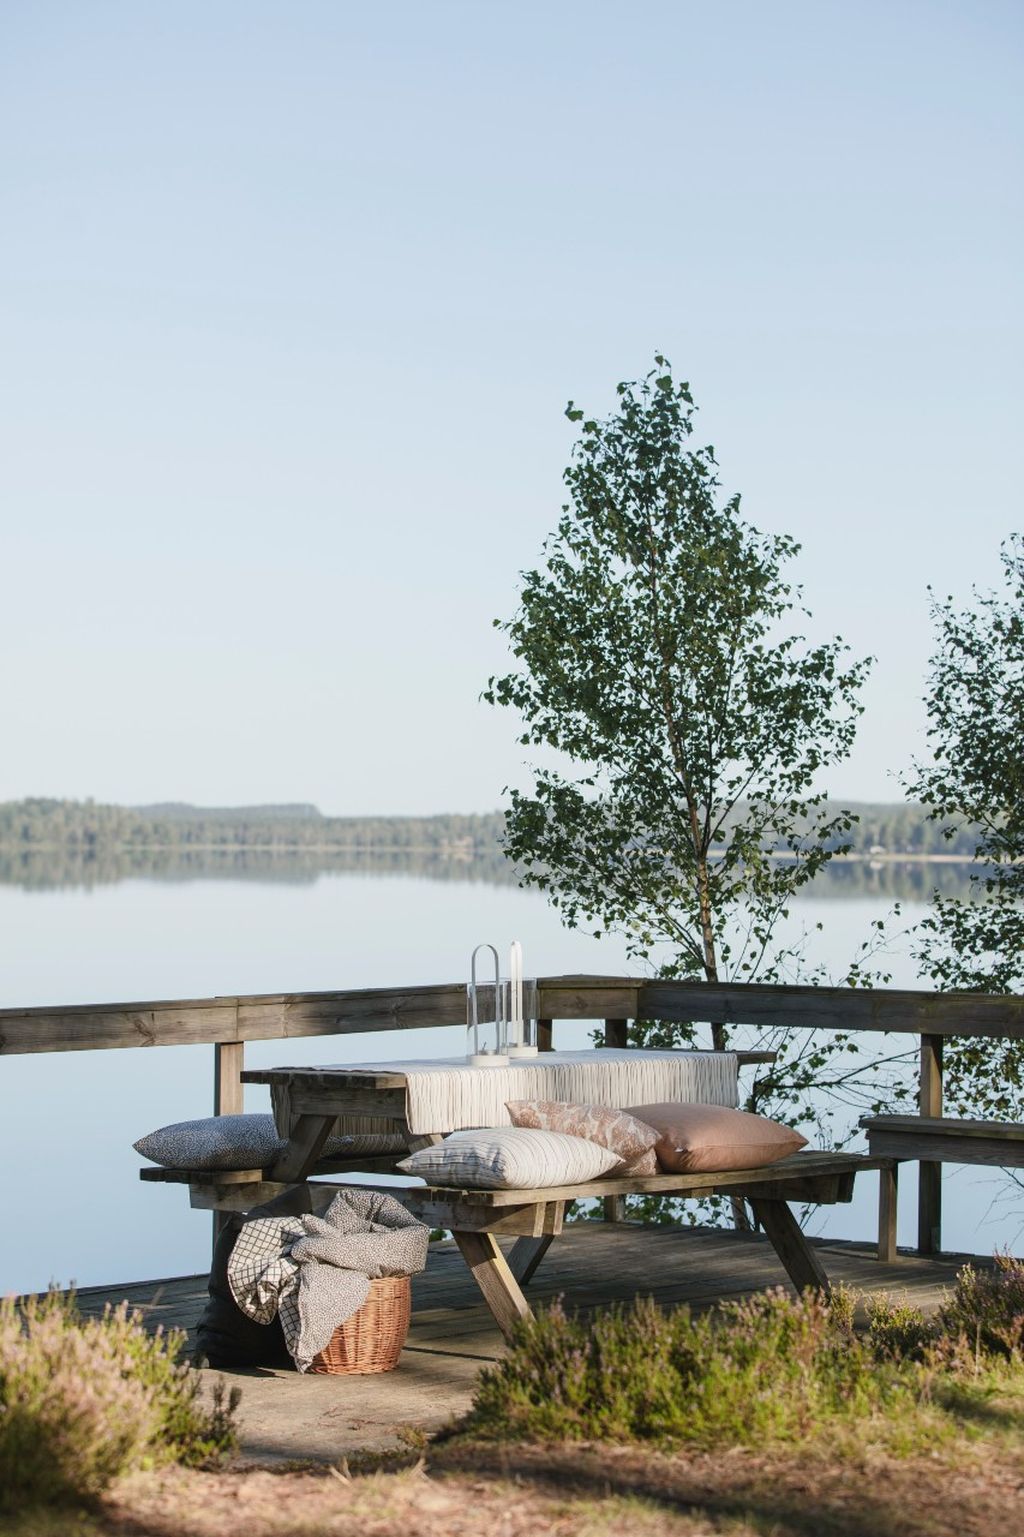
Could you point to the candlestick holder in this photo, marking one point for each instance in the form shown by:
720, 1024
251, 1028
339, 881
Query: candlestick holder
486, 1039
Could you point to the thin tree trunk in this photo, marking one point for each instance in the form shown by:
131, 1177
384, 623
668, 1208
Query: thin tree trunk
719, 1037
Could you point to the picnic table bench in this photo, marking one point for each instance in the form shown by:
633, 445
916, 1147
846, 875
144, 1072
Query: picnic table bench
477, 1219
934, 1139
533, 1218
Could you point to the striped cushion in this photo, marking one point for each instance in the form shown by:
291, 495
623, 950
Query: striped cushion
511, 1158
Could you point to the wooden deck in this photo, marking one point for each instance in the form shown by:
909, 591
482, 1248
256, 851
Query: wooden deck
593, 1264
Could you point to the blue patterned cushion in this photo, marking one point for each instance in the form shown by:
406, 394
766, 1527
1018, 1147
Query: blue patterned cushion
216, 1142
244, 1142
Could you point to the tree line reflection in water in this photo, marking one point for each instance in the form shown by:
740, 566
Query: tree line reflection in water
58, 869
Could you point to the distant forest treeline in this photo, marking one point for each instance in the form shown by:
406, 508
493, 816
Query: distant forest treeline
42, 823
52, 845
84, 827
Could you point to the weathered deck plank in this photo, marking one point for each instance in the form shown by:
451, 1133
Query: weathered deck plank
593, 1264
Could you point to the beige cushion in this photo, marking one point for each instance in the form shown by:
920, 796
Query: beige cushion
697, 1139
617, 1130
510, 1158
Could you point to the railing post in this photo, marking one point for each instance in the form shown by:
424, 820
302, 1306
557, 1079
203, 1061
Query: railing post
228, 1098
228, 1090
929, 1199
616, 1033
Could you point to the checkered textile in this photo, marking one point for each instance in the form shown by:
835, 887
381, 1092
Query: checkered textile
315, 1271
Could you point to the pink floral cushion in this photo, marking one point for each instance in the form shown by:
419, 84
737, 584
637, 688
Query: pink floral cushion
616, 1130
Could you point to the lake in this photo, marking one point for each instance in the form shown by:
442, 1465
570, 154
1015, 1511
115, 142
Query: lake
74, 1207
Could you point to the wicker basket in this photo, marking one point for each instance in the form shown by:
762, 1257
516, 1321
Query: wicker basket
372, 1339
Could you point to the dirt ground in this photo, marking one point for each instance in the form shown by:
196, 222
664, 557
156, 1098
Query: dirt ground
570, 1491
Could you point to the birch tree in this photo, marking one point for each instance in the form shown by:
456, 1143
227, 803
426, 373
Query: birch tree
660, 657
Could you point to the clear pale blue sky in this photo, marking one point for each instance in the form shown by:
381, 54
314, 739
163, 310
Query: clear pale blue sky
292, 298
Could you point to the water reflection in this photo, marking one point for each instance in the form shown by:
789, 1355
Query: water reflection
86, 869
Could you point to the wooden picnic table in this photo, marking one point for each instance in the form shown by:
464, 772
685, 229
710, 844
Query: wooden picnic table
477, 1218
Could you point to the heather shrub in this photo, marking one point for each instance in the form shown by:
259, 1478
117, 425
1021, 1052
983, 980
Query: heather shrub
770, 1367
85, 1400
896, 1329
986, 1309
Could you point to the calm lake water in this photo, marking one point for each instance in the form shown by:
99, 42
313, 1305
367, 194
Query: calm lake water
76, 935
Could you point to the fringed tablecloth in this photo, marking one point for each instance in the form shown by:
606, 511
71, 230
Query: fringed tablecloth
446, 1094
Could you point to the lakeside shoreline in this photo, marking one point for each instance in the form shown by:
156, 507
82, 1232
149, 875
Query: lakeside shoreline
441, 850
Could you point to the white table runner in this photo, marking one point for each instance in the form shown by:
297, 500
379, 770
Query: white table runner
445, 1094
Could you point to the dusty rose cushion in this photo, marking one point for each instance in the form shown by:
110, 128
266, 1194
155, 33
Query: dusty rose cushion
694, 1139
616, 1130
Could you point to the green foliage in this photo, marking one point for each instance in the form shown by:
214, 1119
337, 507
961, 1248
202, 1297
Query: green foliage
975, 705
52, 843
896, 1328
657, 653
654, 653
83, 1401
41, 823
986, 1309
769, 1369
758, 1370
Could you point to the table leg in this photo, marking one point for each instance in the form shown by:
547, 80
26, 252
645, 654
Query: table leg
427, 1139
799, 1260
526, 1254
492, 1274
308, 1135
887, 1192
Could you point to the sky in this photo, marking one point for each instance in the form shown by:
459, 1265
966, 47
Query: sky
292, 298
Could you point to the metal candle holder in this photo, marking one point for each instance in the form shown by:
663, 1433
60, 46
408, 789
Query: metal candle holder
479, 1053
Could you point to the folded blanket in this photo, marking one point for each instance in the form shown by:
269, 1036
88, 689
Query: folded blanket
314, 1272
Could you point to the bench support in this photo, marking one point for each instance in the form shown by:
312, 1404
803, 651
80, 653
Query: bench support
784, 1233
526, 1254
493, 1275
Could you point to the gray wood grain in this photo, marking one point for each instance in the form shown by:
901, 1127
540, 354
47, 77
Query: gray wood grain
88, 1027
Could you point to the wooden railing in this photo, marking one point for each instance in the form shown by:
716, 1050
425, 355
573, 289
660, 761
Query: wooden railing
228, 1022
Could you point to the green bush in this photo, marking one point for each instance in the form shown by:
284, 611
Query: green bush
772, 1368
897, 1330
766, 1368
85, 1400
986, 1309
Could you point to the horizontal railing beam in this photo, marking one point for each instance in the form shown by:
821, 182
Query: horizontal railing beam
218, 1020
836, 1008
281, 1016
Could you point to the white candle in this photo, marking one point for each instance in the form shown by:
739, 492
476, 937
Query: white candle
515, 968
